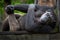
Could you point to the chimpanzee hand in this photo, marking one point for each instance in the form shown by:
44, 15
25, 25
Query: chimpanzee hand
9, 9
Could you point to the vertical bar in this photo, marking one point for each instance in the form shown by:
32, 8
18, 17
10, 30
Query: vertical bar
58, 8
36, 2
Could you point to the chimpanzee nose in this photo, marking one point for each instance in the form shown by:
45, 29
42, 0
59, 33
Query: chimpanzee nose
45, 17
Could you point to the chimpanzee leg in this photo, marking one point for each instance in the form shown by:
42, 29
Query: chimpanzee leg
5, 25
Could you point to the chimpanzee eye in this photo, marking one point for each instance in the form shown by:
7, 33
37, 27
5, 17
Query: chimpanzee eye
11, 7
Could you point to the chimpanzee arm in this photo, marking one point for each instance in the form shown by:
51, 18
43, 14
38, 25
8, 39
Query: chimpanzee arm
22, 7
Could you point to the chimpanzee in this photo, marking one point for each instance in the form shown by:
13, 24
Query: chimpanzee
38, 18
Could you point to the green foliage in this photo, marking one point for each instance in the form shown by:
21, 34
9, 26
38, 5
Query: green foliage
1, 3
15, 2
30, 1
1, 8
20, 13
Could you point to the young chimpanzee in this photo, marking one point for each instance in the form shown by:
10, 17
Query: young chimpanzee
38, 18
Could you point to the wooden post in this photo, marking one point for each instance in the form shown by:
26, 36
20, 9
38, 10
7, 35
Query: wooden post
58, 7
36, 1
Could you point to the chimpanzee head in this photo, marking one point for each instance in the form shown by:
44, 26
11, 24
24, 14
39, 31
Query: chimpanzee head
44, 17
9, 9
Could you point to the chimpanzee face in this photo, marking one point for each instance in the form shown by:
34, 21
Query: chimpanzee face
42, 17
38, 15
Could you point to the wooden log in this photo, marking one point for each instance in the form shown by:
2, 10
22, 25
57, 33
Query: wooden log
21, 33
13, 33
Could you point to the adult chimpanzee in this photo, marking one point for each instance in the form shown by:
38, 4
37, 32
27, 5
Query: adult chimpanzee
38, 18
